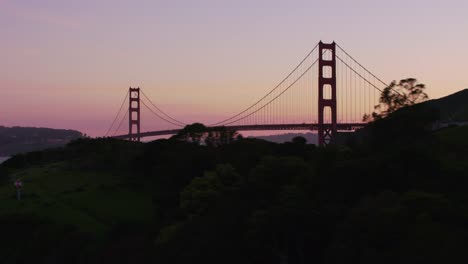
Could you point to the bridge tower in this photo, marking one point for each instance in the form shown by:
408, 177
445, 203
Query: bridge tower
327, 92
134, 114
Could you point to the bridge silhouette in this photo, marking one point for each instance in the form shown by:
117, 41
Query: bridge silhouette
328, 91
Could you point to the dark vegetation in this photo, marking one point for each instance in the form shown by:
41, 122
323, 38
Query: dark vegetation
453, 108
395, 194
398, 95
14, 140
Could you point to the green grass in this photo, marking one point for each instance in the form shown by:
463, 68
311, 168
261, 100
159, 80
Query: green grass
91, 202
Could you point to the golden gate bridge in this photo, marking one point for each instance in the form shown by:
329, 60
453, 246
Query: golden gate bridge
328, 91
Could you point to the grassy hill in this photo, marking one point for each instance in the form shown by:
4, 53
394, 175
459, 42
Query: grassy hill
62, 205
92, 202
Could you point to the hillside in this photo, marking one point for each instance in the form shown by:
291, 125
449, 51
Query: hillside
417, 121
452, 108
15, 140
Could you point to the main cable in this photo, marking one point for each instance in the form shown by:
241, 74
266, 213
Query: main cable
160, 110
276, 87
118, 113
121, 121
373, 75
357, 73
269, 102
159, 116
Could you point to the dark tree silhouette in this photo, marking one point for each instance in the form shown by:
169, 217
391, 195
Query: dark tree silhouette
299, 140
406, 92
192, 133
198, 133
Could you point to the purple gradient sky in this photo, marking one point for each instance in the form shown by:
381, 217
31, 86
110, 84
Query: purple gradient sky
68, 64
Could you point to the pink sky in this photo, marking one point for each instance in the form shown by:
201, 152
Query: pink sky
68, 64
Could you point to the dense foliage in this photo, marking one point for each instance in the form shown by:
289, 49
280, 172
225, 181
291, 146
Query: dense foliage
397, 95
397, 197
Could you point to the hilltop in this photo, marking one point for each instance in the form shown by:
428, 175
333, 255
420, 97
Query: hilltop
407, 124
452, 108
15, 140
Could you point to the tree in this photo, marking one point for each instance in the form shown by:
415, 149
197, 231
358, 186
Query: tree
413, 227
405, 93
203, 192
299, 140
211, 136
192, 133
218, 136
197, 197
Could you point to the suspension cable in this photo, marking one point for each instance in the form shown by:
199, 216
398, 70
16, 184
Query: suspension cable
269, 102
160, 110
373, 75
121, 121
276, 87
159, 116
116, 116
357, 73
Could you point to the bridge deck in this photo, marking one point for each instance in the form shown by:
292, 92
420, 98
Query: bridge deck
304, 127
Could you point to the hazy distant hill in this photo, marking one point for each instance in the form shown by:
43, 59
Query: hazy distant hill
24, 139
281, 138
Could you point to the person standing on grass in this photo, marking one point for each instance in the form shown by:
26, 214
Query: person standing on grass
18, 186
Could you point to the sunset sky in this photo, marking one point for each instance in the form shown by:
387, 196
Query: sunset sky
68, 64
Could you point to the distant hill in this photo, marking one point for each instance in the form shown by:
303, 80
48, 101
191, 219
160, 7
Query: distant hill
15, 140
281, 138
